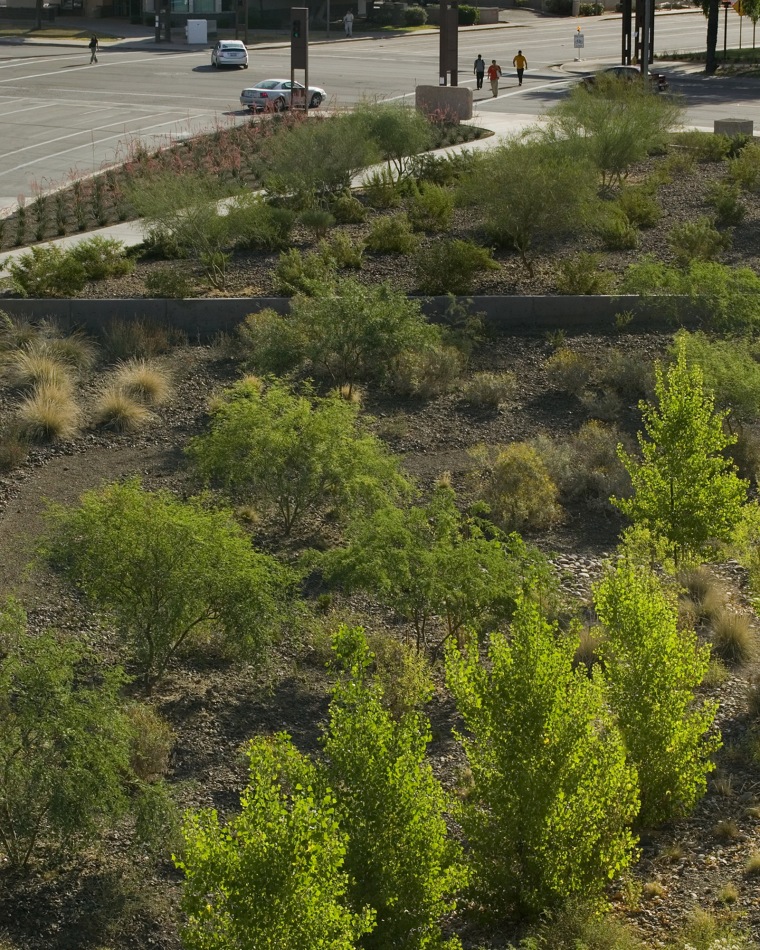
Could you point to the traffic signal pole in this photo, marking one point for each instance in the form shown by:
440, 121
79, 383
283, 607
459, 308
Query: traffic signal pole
299, 51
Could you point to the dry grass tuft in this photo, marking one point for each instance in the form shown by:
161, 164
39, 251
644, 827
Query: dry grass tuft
587, 652
726, 830
491, 390
733, 637
117, 410
29, 368
752, 865
13, 449
143, 381
704, 591
47, 414
728, 894
753, 699
653, 889
716, 674
76, 351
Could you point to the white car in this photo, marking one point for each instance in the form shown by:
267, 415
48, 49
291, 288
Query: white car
229, 53
273, 95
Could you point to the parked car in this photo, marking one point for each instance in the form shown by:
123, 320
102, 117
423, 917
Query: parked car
658, 81
274, 95
229, 53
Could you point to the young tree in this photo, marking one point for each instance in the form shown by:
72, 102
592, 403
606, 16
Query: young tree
552, 797
164, 571
652, 669
398, 131
685, 490
399, 856
294, 454
64, 744
428, 561
273, 877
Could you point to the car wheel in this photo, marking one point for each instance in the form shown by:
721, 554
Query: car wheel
214, 63
279, 104
316, 101
245, 65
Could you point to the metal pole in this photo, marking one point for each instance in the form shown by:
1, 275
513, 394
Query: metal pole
726, 5
645, 41
327, 31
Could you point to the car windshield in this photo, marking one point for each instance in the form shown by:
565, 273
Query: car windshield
230, 46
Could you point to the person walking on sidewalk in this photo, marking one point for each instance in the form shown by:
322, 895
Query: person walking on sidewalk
479, 70
494, 75
93, 44
348, 23
521, 64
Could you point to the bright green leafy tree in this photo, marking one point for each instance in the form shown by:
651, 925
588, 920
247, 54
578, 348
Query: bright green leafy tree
652, 669
552, 798
685, 490
400, 858
430, 562
64, 743
294, 454
164, 571
273, 877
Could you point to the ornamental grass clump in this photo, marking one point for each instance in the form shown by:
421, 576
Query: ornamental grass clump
48, 413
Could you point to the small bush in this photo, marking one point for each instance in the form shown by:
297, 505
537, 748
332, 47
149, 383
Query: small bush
753, 700
624, 373
450, 266
415, 16
297, 273
726, 830
519, 489
640, 206
120, 412
392, 235
381, 190
752, 864
704, 146
729, 210
342, 250
582, 274
697, 240
716, 674
347, 209
151, 743
168, 282
48, 414
47, 271
102, 257
587, 652
402, 672
427, 372
13, 449
125, 339
733, 638
431, 208
259, 226
491, 390
143, 380
273, 344
616, 231
568, 371
318, 221
468, 15
745, 168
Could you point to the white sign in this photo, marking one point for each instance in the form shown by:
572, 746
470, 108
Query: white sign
578, 40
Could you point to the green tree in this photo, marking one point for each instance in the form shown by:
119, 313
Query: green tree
164, 571
551, 799
273, 877
294, 454
528, 193
398, 131
685, 490
400, 858
653, 668
429, 562
64, 745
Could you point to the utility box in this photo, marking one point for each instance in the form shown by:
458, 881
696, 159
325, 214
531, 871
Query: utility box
196, 32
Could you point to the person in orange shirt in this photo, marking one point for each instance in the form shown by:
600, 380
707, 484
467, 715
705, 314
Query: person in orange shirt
521, 64
494, 75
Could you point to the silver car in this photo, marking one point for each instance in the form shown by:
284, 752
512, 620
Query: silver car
229, 53
274, 95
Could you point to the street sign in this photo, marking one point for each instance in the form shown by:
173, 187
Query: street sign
739, 7
578, 41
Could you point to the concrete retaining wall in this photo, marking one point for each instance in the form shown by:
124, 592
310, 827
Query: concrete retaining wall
203, 318
444, 100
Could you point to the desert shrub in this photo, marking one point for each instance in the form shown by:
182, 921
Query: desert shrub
391, 235
275, 871
640, 205
169, 282
491, 390
745, 168
347, 209
519, 489
616, 230
402, 673
397, 131
273, 343
425, 372
546, 758
256, 225
626, 374
582, 274
449, 266
578, 925
102, 257
668, 734
448, 169
697, 240
33, 366
431, 208
125, 339
298, 273
293, 455
116, 410
345, 252
191, 572
317, 220
415, 16
568, 371
381, 190
47, 271
468, 15
704, 146
64, 747
732, 637
47, 414
729, 210
729, 369
143, 380
14, 449
151, 742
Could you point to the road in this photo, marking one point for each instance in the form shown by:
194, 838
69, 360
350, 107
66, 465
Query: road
59, 116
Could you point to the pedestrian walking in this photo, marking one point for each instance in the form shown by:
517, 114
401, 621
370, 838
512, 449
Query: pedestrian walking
479, 70
93, 44
348, 23
521, 64
494, 75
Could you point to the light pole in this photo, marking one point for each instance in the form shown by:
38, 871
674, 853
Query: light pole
726, 8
